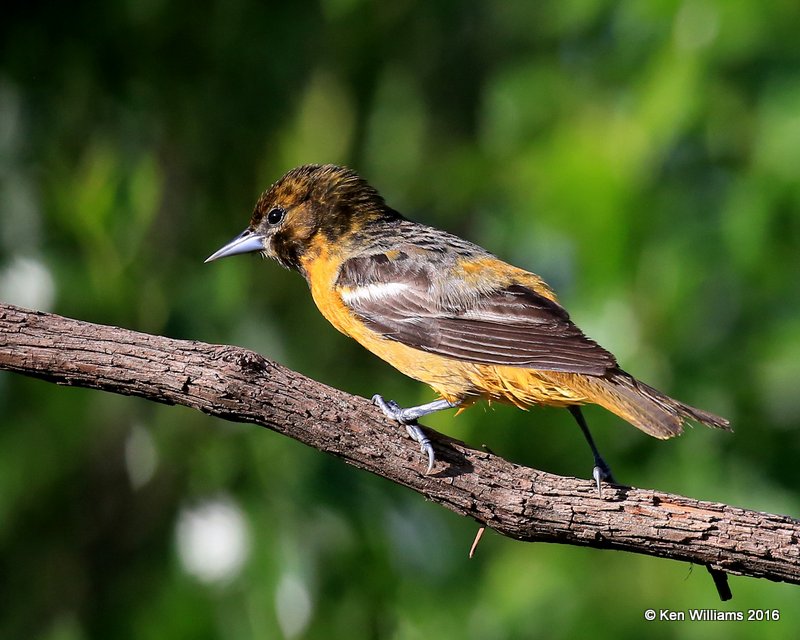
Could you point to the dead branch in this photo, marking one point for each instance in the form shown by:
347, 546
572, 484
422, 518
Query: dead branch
516, 501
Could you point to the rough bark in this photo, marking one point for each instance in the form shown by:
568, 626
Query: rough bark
516, 501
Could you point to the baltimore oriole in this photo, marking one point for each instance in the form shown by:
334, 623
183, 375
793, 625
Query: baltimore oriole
443, 310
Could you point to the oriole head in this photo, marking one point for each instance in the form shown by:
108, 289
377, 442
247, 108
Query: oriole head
306, 202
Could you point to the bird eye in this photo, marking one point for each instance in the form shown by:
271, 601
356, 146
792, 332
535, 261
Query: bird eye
275, 215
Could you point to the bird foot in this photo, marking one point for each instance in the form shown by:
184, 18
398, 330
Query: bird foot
408, 419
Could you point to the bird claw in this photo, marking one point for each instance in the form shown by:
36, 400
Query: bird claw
395, 412
601, 473
425, 446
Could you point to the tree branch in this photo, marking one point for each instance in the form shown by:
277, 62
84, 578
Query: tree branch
516, 501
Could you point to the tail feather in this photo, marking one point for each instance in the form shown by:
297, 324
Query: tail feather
647, 408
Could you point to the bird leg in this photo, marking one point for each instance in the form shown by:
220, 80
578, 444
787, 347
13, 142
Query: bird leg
408, 417
601, 471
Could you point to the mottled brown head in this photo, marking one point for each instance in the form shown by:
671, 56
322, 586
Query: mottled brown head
307, 204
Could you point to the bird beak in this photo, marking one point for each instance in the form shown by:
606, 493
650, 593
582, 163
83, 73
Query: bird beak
246, 242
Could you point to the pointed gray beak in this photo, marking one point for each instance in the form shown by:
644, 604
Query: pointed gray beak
246, 242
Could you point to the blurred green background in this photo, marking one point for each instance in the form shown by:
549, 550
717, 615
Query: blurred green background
642, 156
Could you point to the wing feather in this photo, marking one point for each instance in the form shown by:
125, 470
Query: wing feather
430, 309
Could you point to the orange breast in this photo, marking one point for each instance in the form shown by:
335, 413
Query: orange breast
444, 375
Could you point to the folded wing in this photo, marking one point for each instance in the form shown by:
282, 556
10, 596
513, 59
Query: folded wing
421, 306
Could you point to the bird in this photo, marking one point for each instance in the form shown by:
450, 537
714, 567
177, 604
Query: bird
443, 310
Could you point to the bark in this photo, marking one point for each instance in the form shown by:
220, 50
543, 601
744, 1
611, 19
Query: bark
516, 501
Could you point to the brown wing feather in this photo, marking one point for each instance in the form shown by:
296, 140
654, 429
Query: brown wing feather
413, 302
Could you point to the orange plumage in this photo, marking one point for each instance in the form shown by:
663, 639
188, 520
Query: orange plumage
440, 309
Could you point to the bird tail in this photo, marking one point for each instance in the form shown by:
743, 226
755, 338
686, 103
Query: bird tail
647, 408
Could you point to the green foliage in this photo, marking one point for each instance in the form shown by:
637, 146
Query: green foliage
642, 156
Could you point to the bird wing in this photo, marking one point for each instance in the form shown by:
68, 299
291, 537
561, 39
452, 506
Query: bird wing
417, 304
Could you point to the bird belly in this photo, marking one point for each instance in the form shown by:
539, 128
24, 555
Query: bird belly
465, 382
526, 387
